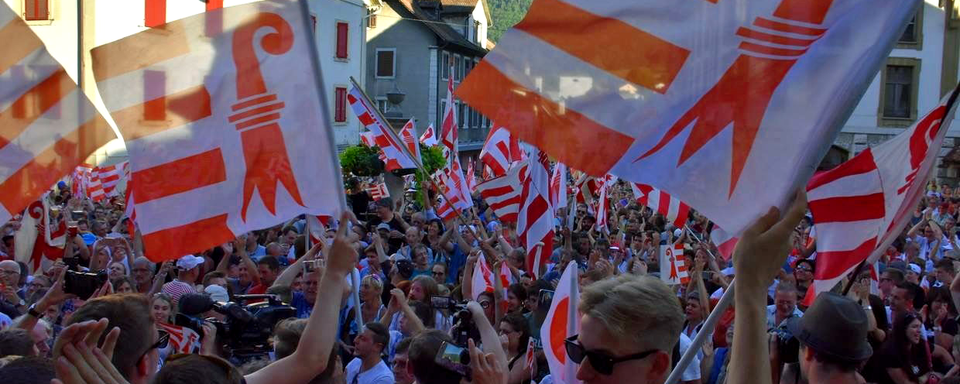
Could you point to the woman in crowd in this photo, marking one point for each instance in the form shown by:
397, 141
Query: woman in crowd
371, 287
904, 357
514, 337
122, 284
162, 308
516, 295
116, 270
940, 317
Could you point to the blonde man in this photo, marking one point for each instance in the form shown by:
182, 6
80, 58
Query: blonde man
629, 326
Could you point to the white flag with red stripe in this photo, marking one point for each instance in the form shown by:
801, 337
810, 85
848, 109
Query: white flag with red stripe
673, 266
223, 138
558, 187
603, 204
471, 177
391, 147
110, 176
408, 135
860, 207
369, 140
78, 183
562, 322
37, 243
502, 194
429, 137
586, 188
724, 241
48, 125
182, 339
725, 125
482, 277
535, 219
448, 126
500, 150
378, 190
661, 202
316, 229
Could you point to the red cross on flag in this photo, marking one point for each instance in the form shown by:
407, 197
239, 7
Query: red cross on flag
223, 138
728, 104
862, 206
562, 322
673, 269
47, 125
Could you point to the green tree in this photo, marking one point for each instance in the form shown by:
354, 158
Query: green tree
506, 14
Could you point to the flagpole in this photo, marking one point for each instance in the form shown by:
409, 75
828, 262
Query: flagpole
406, 151
706, 331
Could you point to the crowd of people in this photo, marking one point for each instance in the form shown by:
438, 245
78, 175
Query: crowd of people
407, 275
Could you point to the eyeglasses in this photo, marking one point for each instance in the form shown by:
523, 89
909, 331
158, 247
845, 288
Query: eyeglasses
233, 375
160, 344
600, 362
9, 272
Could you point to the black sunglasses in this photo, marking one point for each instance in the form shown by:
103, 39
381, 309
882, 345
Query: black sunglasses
161, 343
600, 362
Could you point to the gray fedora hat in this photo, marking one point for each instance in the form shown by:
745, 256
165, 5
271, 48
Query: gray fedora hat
835, 327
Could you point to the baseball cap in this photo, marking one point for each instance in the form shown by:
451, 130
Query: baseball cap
217, 293
383, 226
189, 262
914, 268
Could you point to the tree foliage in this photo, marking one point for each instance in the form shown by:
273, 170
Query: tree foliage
361, 160
505, 14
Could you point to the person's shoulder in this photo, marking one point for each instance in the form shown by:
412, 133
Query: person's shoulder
354, 365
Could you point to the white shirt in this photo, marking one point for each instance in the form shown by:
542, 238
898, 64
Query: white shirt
693, 370
379, 374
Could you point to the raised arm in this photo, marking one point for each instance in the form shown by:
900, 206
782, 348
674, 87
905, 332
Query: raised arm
240, 248
316, 344
288, 275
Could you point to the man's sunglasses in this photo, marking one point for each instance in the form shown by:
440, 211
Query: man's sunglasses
161, 343
601, 362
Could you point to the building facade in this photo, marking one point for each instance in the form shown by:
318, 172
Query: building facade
71, 28
922, 68
414, 47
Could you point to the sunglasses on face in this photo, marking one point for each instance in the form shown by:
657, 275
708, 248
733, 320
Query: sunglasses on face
161, 343
601, 362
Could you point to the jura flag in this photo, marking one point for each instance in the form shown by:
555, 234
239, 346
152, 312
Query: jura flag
860, 207
37, 243
47, 125
562, 322
661, 202
408, 135
429, 137
391, 146
223, 137
673, 268
728, 104
482, 277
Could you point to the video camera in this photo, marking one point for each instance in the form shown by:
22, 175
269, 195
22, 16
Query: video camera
463, 328
246, 329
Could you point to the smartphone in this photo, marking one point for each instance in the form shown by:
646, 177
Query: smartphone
454, 358
544, 298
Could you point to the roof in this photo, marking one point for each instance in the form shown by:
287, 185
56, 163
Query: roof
441, 29
470, 4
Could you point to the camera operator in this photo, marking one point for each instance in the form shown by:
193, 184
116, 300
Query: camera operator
136, 355
488, 366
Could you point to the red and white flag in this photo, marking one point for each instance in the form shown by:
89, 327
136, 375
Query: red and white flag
500, 150
471, 177
603, 205
482, 277
110, 176
661, 202
506, 277
223, 139
725, 125
391, 147
182, 339
378, 190
316, 228
429, 137
530, 356
502, 194
408, 135
48, 125
78, 183
562, 322
558, 187
673, 268
448, 126
535, 219
724, 241
369, 140
586, 188
860, 207
37, 243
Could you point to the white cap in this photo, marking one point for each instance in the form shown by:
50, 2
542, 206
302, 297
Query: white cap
914, 268
189, 262
217, 293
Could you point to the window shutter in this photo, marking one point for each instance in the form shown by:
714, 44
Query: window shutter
340, 105
342, 34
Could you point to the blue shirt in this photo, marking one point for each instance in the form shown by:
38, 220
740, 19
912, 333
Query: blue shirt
299, 301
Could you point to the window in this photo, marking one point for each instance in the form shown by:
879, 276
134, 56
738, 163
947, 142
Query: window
468, 65
456, 67
444, 65
386, 63
898, 92
40, 100
342, 39
36, 10
912, 37
340, 105
460, 108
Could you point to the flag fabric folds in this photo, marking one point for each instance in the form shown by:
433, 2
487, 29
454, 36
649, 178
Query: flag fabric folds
48, 125
223, 138
710, 100
558, 186
391, 147
603, 204
861, 206
471, 176
535, 218
429, 137
500, 150
562, 322
37, 243
661, 202
448, 125
502, 194
378, 190
408, 135
724, 241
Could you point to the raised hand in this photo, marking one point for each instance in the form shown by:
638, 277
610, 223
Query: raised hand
342, 257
